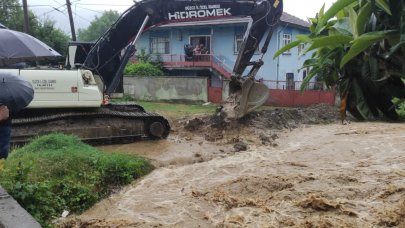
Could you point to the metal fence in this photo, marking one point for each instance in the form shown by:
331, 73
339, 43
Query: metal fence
293, 85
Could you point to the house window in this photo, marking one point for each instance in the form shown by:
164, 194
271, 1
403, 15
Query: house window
238, 42
290, 81
301, 48
159, 45
286, 40
204, 42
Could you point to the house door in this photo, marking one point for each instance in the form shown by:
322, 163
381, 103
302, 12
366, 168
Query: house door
204, 42
290, 81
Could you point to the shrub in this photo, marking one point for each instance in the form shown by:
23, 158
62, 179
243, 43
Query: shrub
401, 110
358, 46
143, 69
58, 172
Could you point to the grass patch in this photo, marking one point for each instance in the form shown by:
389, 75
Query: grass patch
58, 172
173, 110
177, 110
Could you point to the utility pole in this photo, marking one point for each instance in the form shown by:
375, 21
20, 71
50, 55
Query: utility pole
72, 25
26, 19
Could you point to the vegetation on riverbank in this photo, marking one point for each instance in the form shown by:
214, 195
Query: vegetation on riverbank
55, 173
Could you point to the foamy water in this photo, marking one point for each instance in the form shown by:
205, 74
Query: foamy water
349, 165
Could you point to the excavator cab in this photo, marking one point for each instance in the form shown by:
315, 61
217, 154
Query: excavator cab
77, 54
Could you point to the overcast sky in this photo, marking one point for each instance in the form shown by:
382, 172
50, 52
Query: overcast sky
85, 10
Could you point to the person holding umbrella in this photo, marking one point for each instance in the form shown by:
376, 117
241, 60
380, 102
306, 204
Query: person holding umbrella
5, 131
15, 94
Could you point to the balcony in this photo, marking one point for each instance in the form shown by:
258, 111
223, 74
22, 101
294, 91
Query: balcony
203, 61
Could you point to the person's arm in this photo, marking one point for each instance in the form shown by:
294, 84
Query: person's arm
4, 113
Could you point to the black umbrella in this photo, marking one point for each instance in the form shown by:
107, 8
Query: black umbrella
18, 47
15, 92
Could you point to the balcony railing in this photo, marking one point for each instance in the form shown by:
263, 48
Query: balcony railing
219, 64
196, 61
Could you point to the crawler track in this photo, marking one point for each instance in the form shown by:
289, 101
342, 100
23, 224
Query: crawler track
120, 123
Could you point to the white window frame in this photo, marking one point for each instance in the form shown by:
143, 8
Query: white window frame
287, 39
301, 48
159, 47
240, 39
237, 43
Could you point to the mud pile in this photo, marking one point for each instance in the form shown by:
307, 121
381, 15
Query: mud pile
261, 127
282, 118
277, 118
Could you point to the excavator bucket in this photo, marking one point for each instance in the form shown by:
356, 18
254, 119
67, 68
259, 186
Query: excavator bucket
244, 98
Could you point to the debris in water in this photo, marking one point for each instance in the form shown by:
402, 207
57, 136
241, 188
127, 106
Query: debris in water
321, 204
390, 190
212, 137
392, 216
240, 146
264, 138
197, 155
65, 213
318, 203
194, 124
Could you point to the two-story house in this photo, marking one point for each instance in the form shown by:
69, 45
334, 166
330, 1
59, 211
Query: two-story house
221, 40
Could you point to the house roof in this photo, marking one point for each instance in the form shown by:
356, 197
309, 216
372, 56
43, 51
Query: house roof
293, 20
285, 17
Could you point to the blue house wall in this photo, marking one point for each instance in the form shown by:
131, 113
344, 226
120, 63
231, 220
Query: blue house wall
223, 47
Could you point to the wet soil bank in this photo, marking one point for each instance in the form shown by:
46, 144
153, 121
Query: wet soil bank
283, 173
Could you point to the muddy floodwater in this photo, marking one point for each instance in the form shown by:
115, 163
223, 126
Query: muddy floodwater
312, 176
171, 152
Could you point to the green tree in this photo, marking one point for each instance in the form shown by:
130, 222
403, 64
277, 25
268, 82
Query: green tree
359, 45
12, 16
52, 36
98, 26
10, 13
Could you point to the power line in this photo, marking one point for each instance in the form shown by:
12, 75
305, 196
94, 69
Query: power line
88, 9
77, 15
99, 4
54, 9
19, 6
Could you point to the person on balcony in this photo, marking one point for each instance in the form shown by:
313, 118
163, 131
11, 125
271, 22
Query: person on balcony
197, 50
203, 50
188, 50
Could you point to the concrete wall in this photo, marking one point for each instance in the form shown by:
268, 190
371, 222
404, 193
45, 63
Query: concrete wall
167, 88
12, 215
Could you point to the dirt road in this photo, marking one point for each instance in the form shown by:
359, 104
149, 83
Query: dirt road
315, 176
